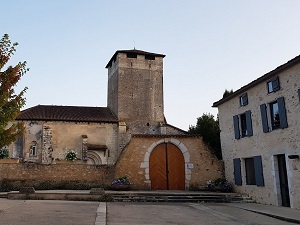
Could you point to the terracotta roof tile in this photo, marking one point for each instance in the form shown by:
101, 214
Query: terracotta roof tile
68, 113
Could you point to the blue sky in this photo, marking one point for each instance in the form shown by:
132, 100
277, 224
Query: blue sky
210, 46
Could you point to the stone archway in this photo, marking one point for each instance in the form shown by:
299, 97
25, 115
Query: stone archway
180, 146
93, 158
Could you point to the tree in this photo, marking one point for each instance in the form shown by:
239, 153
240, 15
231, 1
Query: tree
10, 102
209, 129
227, 93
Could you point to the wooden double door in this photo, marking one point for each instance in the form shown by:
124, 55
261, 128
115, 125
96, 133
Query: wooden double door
167, 168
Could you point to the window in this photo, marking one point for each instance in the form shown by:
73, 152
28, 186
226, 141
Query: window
242, 125
131, 55
244, 99
278, 118
250, 173
33, 148
150, 57
254, 171
273, 85
274, 112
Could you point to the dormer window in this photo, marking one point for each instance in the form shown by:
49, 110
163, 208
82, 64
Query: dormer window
244, 99
273, 85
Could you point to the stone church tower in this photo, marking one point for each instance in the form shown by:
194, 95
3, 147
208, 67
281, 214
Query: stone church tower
135, 90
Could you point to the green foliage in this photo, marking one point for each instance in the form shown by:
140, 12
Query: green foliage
4, 153
10, 102
209, 129
71, 155
227, 93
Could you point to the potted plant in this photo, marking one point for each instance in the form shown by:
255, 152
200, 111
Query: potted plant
121, 184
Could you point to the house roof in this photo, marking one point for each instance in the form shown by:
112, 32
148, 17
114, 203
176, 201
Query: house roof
261, 79
68, 113
133, 51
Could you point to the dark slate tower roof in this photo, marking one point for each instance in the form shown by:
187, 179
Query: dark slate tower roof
133, 51
68, 113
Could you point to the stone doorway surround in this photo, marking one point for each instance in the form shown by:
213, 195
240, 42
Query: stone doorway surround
183, 149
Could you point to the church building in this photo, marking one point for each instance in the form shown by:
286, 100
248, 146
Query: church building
131, 134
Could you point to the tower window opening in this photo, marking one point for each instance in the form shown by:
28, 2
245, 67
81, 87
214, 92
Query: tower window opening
150, 57
131, 55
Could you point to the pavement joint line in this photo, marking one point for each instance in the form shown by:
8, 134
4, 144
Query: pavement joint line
101, 214
273, 216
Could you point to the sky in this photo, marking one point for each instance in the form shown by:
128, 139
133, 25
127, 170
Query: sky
210, 46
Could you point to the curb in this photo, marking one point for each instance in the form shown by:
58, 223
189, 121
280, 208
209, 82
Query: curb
286, 219
101, 214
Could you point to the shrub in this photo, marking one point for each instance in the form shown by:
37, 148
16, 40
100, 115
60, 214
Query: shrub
71, 155
4, 153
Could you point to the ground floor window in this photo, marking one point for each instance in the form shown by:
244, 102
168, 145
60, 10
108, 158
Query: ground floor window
250, 172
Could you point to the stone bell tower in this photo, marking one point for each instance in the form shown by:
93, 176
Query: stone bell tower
135, 90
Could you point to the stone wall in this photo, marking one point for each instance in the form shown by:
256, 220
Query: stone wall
53, 139
61, 172
200, 164
268, 145
135, 92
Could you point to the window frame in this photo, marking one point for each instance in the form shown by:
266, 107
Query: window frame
275, 85
244, 99
242, 124
275, 122
250, 171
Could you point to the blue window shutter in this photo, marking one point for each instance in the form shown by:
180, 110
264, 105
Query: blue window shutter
282, 112
299, 94
249, 123
275, 84
237, 171
258, 168
236, 127
264, 118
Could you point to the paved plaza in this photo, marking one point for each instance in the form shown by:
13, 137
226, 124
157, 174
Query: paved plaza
50, 212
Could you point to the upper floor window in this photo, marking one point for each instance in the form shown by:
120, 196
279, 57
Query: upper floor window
244, 99
274, 113
277, 113
273, 85
242, 125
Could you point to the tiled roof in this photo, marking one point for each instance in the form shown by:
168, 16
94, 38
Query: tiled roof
68, 113
263, 78
133, 51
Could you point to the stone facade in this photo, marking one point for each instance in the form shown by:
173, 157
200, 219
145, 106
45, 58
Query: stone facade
135, 91
52, 140
266, 138
122, 134
200, 164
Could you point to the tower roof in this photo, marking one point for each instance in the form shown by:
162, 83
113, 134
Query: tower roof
132, 51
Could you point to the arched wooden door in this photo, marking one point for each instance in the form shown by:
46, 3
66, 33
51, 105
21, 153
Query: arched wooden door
166, 168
